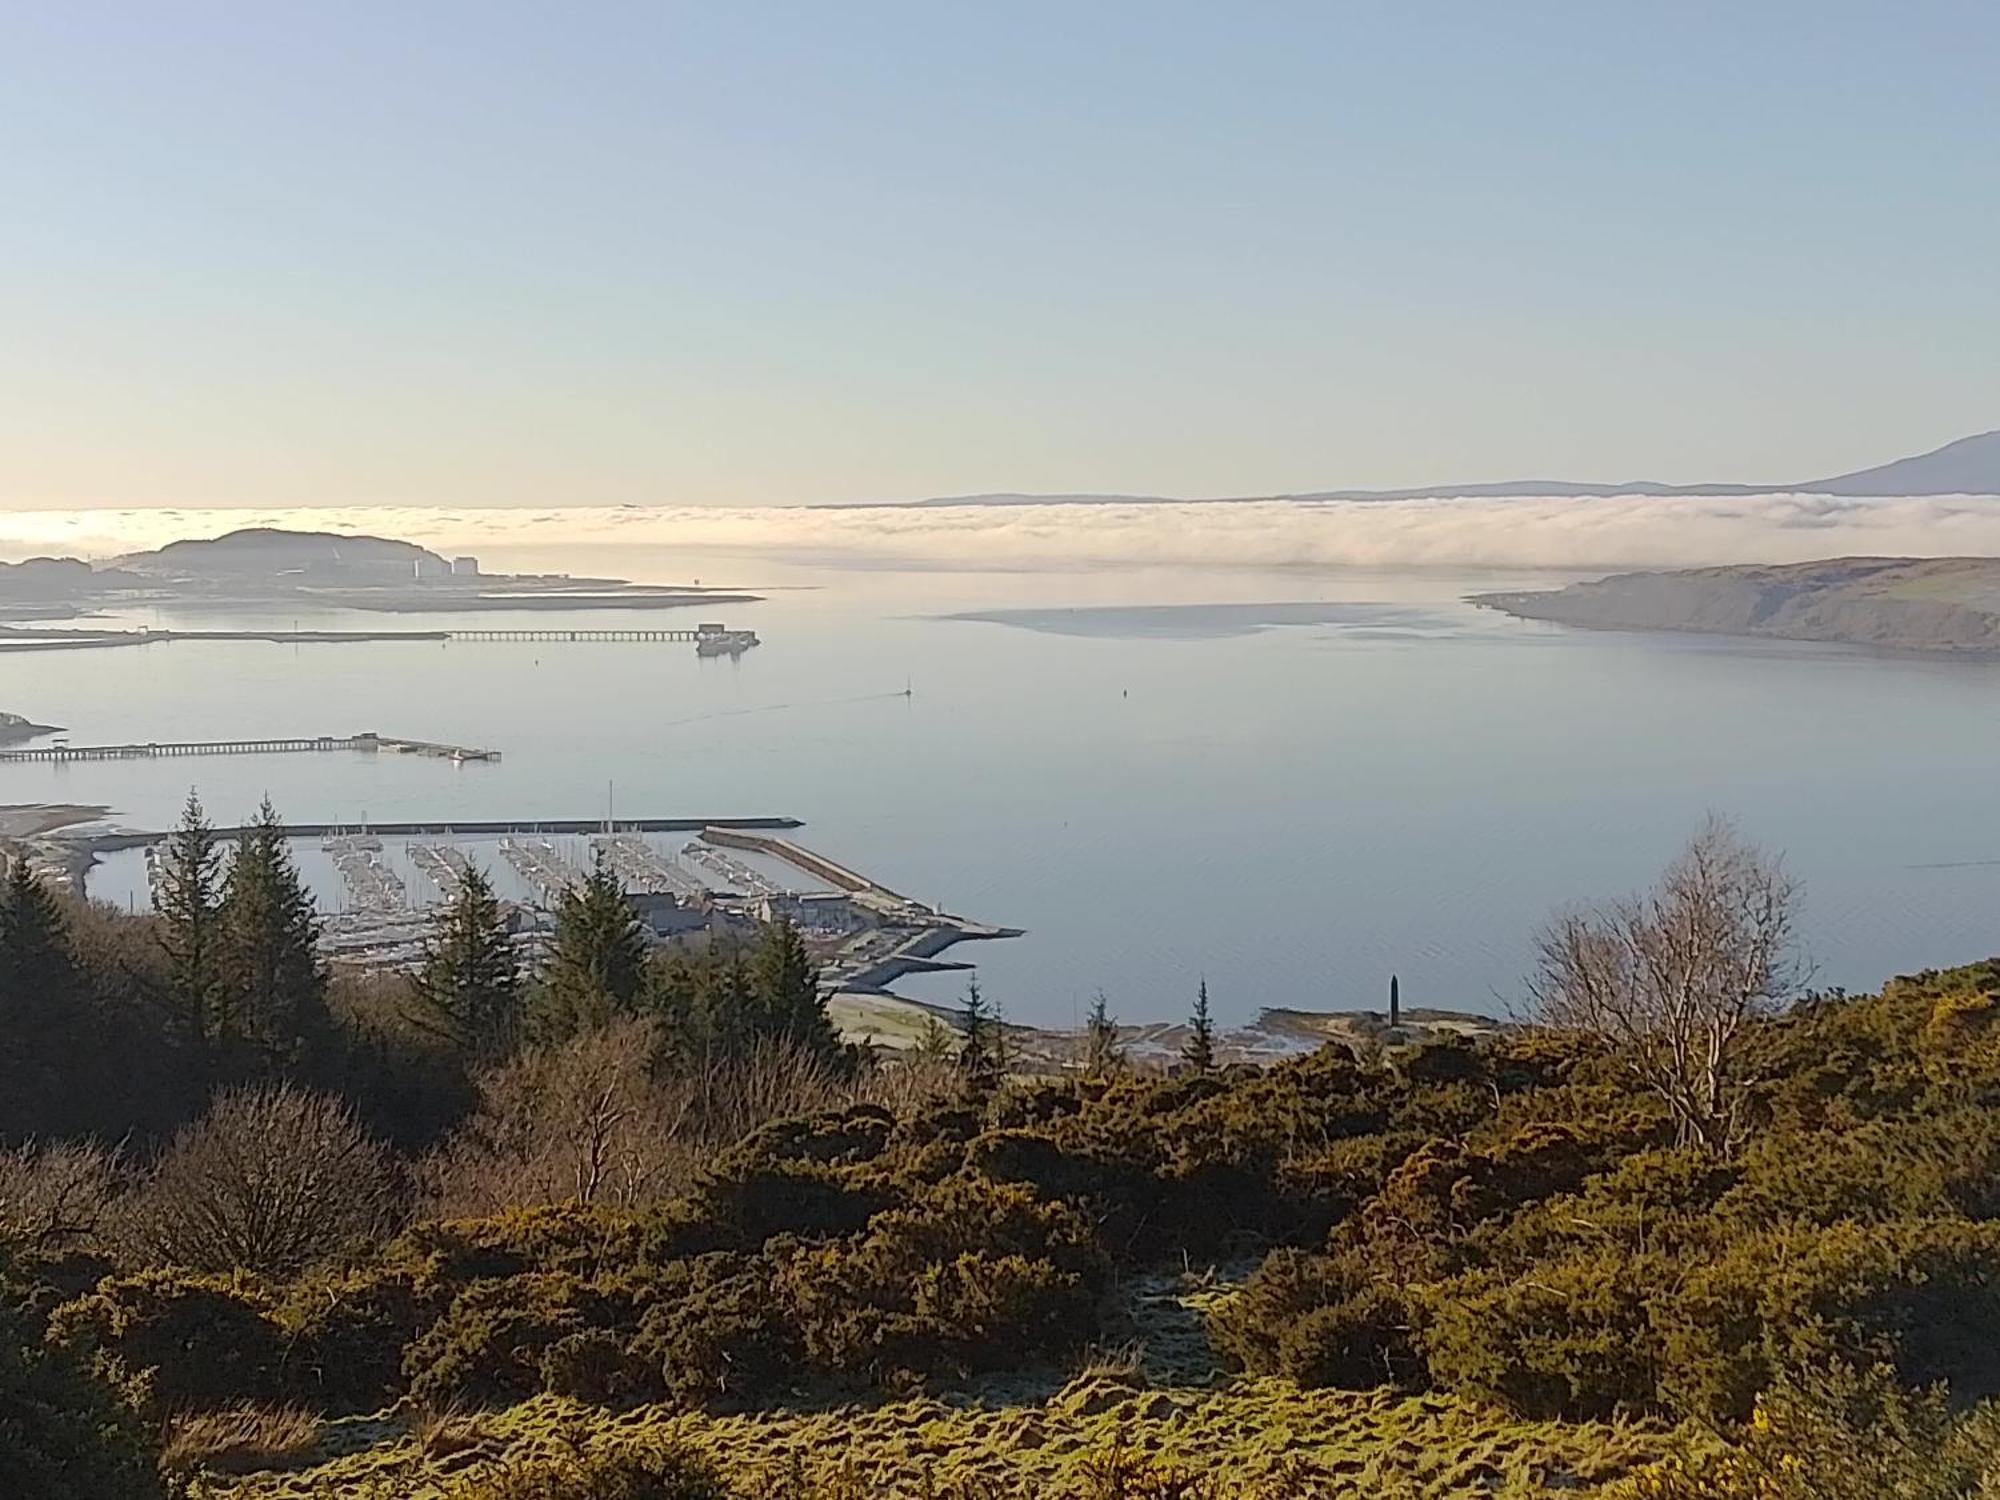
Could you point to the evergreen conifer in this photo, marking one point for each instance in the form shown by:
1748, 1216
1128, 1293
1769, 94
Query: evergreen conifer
1102, 1054
42, 996
977, 1064
597, 965
186, 894
1199, 1051
470, 982
789, 1004
270, 985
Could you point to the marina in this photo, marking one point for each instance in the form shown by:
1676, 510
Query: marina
378, 887
443, 865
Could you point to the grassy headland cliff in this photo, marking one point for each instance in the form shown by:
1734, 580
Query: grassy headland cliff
1901, 603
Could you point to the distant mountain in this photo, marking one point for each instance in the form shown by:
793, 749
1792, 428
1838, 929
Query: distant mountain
1970, 466
1019, 499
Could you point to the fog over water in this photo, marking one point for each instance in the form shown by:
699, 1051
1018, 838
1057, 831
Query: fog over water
1180, 740
1616, 531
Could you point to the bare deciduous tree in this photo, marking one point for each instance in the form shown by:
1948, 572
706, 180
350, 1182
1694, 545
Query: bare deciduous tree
1670, 978
580, 1122
58, 1198
596, 1121
271, 1179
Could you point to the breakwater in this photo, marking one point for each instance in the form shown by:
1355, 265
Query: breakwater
106, 843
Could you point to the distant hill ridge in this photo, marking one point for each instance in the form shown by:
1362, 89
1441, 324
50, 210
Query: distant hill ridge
271, 550
1902, 603
1969, 466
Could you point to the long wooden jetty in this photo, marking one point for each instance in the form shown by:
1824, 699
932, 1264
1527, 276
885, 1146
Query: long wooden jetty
319, 744
582, 635
29, 639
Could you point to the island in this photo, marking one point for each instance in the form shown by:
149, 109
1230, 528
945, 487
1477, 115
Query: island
1941, 604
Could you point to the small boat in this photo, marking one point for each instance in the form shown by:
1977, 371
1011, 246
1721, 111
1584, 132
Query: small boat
725, 642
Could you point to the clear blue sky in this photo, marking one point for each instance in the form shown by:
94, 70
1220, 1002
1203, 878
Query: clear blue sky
506, 253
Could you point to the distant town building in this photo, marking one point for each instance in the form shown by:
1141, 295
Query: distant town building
465, 567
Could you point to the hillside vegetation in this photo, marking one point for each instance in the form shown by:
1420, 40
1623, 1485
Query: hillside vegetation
1899, 603
673, 1242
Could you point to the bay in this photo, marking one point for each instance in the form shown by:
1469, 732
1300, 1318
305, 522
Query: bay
1292, 781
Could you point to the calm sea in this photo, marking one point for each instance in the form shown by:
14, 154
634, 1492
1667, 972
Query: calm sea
1292, 782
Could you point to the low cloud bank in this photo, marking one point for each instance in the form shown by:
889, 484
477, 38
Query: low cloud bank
1610, 532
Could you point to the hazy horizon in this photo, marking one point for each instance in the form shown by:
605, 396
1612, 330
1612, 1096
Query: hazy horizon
779, 254
722, 544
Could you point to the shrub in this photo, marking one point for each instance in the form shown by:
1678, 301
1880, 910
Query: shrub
1320, 1320
270, 1180
715, 1331
489, 1345
657, 1471
346, 1332
593, 1365
1923, 1298
181, 1340
1841, 1434
1573, 1339
63, 1433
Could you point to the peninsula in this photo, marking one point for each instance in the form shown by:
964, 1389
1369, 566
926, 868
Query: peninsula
1895, 603
263, 565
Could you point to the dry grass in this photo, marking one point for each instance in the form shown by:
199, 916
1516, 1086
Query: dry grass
449, 1431
241, 1440
1248, 1437
1119, 1364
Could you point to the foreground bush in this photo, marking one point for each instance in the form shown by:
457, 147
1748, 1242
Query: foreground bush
1560, 1259
270, 1180
176, 1341
655, 1472
64, 1435
1837, 1434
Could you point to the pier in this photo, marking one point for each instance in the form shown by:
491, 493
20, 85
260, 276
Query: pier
581, 635
369, 743
24, 638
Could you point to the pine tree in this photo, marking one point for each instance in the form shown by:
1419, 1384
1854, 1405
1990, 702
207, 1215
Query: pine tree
1199, 1051
726, 1016
186, 896
271, 989
38, 969
42, 993
1102, 1055
1003, 1042
790, 1007
470, 981
934, 1042
597, 964
976, 1063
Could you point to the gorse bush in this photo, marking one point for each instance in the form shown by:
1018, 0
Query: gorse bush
655, 1471
1564, 1259
1555, 1251
1838, 1433
64, 1433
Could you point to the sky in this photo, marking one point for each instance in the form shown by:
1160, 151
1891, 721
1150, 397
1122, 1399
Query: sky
746, 254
